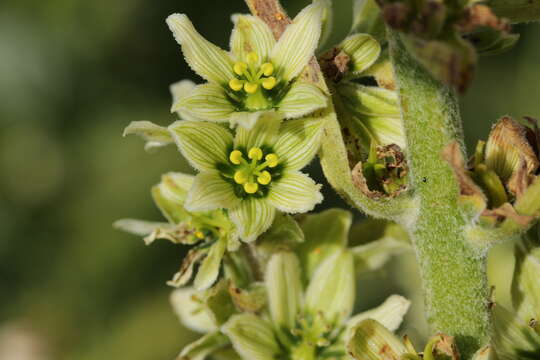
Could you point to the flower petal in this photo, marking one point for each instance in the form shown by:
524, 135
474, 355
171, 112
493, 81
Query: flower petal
190, 310
284, 288
302, 99
247, 119
295, 192
298, 142
203, 144
327, 24
370, 339
363, 50
251, 34
203, 347
209, 192
180, 89
205, 102
209, 269
252, 217
390, 313
264, 132
335, 275
252, 337
170, 195
154, 135
206, 59
297, 44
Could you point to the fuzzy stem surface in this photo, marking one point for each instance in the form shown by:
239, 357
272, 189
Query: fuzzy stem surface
453, 271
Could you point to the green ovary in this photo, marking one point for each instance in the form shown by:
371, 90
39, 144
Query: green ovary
251, 79
253, 173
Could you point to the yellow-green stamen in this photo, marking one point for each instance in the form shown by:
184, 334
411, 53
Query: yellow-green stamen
250, 75
251, 174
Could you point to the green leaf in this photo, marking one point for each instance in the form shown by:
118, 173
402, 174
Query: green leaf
389, 314
325, 233
252, 337
251, 34
210, 192
294, 192
370, 339
302, 99
209, 269
298, 141
363, 51
264, 132
252, 217
170, 195
203, 144
203, 347
189, 307
205, 58
155, 136
331, 290
297, 44
205, 102
284, 288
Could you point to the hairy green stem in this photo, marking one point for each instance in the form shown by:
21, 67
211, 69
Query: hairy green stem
453, 270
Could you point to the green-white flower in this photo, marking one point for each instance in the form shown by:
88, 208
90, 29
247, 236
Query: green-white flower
211, 231
305, 323
253, 173
259, 74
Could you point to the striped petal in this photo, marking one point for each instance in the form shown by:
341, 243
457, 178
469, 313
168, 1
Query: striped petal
295, 192
298, 142
209, 269
203, 144
390, 313
297, 44
369, 339
252, 217
363, 50
204, 347
251, 34
205, 102
170, 195
248, 119
284, 288
252, 337
190, 310
210, 192
302, 99
206, 59
335, 275
155, 136
264, 132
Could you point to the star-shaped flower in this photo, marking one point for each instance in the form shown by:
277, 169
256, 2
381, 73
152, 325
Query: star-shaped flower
259, 74
252, 174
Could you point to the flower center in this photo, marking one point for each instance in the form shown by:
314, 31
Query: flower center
251, 79
254, 172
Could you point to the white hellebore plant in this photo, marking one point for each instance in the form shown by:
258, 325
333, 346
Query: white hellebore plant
253, 173
259, 74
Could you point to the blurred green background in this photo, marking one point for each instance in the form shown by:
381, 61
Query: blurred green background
73, 74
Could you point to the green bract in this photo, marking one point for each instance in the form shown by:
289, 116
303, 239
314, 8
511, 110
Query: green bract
258, 76
253, 173
212, 231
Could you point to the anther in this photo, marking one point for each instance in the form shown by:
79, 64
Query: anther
199, 235
251, 188
267, 69
264, 178
236, 84
255, 153
235, 157
240, 177
240, 67
251, 88
269, 83
252, 57
272, 160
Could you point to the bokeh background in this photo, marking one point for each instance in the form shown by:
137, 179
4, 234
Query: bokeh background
73, 74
